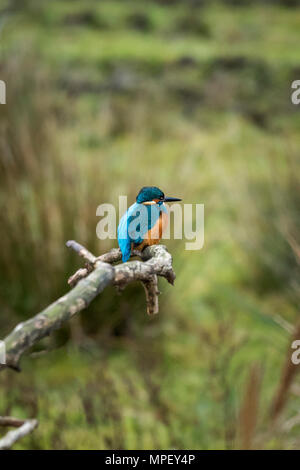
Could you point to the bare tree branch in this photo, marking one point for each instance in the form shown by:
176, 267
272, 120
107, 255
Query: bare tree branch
26, 334
88, 282
95, 277
10, 421
112, 256
86, 255
24, 427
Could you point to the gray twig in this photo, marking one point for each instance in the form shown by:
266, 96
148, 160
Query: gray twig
24, 427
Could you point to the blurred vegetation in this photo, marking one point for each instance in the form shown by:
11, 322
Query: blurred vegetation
194, 97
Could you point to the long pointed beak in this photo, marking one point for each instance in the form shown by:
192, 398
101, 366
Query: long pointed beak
171, 199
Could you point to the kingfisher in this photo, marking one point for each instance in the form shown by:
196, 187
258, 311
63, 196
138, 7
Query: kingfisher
144, 222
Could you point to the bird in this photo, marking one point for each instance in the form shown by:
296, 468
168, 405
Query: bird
144, 222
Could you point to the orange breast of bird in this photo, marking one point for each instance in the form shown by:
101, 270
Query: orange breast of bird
153, 236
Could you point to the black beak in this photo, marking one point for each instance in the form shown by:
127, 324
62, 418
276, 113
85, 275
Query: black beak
171, 199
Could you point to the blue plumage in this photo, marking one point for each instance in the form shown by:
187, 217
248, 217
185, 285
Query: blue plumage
140, 218
134, 225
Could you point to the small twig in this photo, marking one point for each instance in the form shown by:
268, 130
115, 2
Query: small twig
152, 292
10, 421
89, 257
24, 427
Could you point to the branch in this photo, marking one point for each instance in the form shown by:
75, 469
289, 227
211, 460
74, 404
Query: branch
94, 278
113, 256
81, 251
152, 292
26, 334
24, 427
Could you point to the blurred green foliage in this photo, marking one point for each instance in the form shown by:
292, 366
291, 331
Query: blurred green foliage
194, 97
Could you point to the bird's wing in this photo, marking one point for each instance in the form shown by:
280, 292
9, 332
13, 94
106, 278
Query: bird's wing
124, 238
134, 224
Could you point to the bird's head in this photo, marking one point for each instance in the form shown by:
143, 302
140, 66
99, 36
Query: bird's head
153, 195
